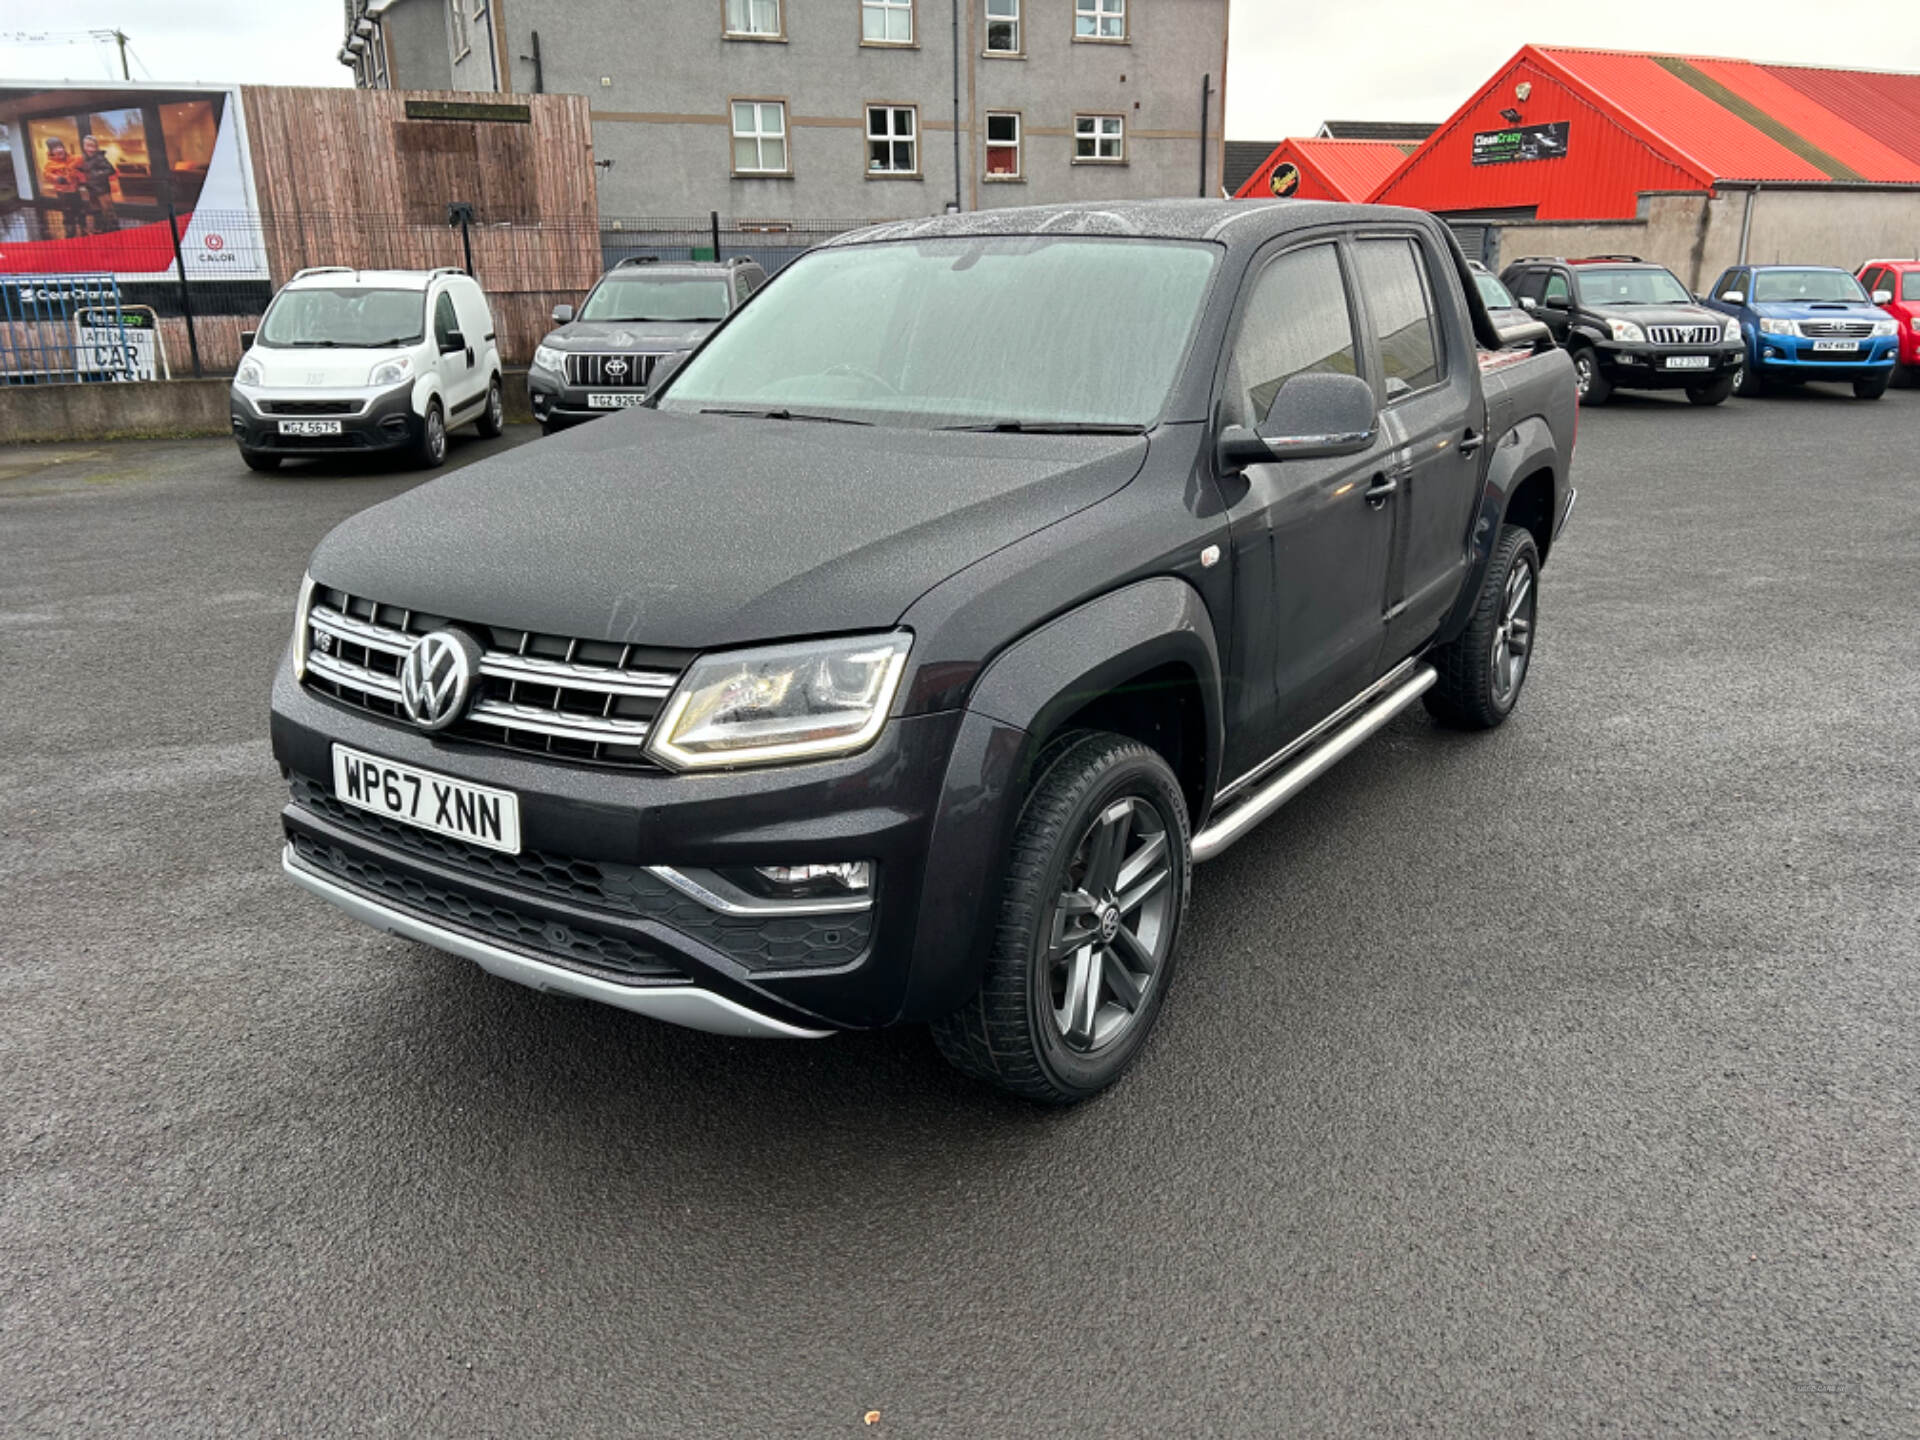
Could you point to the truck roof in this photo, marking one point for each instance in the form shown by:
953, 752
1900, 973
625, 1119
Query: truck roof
1233, 222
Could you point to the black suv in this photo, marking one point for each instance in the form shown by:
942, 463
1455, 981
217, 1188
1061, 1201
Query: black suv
1630, 325
899, 658
639, 313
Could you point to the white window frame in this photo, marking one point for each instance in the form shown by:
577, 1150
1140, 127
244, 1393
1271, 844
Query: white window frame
778, 32
885, 9
1100, 11
759, 134
459, 31
1016, 19
892, 109
988, 144
1093, 130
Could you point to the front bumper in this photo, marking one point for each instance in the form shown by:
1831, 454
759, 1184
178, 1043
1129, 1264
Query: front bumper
1645, 367
1793, 357
556, 403
382, 420
583, 909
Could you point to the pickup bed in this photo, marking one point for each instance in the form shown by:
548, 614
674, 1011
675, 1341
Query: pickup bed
897, 661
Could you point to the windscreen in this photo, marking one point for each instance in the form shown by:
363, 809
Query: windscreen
1493, 294
1787, 286
669, 298
967, 330
1630, 287
348, 318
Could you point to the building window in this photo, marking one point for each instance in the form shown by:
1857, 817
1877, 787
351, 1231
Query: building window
893, 140
459, 40
1099, 139
1003, 145
886, 22
754, 19
1003, 27
760, 137
1099, 19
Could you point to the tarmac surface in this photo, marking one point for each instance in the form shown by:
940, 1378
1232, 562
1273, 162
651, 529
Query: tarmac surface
1558, 1081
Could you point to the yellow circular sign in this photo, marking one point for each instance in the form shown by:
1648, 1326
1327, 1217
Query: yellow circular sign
1284, 180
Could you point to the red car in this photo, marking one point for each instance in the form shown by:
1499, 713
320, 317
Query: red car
1895, 288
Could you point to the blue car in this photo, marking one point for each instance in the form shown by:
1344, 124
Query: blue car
1807, 322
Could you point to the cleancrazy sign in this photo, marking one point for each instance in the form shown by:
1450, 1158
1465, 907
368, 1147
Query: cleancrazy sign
1522, 142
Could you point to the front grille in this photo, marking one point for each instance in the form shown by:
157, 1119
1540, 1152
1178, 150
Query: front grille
1836, 329
346, 440
311, 407
611, 369
589, 700
1684, 334
625, 891
483, 918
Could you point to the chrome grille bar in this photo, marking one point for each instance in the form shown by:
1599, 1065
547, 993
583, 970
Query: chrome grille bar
536, 670
1684, 334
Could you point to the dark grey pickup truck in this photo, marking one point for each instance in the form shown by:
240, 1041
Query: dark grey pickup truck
898, 660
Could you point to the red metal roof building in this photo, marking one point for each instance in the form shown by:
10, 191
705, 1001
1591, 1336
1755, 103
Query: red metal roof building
1325, 169
1568, 134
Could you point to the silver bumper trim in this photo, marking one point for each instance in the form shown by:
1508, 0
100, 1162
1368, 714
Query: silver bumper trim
686, 1005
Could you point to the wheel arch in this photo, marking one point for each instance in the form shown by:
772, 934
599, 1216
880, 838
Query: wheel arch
1525, 485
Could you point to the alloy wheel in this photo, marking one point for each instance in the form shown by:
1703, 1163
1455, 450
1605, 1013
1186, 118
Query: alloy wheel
1513, 637
1111, 929
493, 408
1582, 374
436, 434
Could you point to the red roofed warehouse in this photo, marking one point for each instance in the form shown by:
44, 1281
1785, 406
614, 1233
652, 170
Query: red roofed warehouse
1699, 163
1325, 169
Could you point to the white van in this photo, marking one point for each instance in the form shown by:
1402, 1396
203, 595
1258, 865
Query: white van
366, 360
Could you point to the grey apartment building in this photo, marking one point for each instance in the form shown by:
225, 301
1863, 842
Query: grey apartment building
840, 109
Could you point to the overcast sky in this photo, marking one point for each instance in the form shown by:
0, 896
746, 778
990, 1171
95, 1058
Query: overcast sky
1294, 62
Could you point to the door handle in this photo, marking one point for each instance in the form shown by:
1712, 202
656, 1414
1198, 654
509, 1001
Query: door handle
1382, 487
1470, 443
469, 357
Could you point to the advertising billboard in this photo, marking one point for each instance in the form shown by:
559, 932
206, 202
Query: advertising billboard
93, 172
1523, 142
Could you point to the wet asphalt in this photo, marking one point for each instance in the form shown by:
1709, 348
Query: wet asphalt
1558, 1081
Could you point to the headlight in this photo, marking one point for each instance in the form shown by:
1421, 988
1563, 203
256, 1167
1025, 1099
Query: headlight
1886, 327
1776, 327
1628, 331
249, 372
784, 702
391, 372
545, 357
1731, 330
300, 632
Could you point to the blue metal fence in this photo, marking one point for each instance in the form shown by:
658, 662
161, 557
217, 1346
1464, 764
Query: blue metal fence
41, 341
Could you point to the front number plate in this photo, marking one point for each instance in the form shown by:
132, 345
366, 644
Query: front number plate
309, 427
1689, 362
1825, 345
625, 400
477, 814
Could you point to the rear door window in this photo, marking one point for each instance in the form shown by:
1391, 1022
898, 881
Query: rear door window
1528, 284
1399, 295
1297, 321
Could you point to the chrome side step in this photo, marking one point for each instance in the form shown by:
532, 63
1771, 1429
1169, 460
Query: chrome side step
1243, 815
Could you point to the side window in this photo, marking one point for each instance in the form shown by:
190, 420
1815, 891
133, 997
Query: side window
1874, 279
444, 323
1528, 284
1296, 322
1393, 277
1558, 286
1733, 283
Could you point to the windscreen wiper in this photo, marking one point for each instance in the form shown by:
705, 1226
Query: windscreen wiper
1050, 427
790, 415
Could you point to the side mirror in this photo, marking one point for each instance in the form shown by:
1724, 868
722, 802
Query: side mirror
1314, 417
663, 369
563, 314
1882, 297
454, 341
1527, 302
1558, 302
246, 340
1734, 297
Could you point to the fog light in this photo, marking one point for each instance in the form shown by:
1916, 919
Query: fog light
806, 882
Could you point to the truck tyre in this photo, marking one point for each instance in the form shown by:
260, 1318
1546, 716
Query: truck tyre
1712, 393
1594, 388
1749, 383
430, 450
256, 461
1872, 389
1084, 934
493, 415
1481, 671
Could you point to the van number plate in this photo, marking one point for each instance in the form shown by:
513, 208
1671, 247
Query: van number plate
1689, 362
477, 814
309, 427
625, 401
